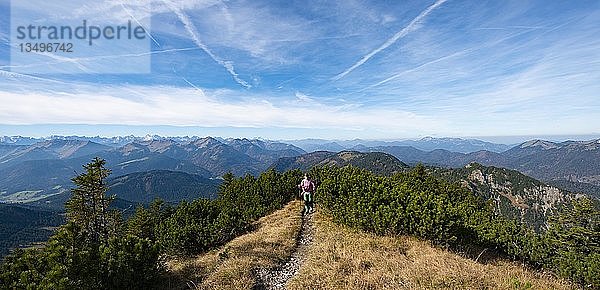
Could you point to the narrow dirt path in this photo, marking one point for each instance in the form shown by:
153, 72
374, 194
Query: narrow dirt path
277, 278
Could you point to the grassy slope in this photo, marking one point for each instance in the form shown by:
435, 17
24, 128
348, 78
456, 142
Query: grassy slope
343, 258
231, 266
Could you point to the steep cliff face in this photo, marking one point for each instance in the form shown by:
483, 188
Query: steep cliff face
513, 194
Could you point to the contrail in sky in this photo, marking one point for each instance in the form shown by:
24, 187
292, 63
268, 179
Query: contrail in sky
410, 27
191, 29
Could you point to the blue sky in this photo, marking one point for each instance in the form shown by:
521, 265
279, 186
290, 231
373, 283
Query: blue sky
325, 69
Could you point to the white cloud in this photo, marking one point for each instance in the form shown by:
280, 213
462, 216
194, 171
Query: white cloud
303, 98
189, 107
256, 30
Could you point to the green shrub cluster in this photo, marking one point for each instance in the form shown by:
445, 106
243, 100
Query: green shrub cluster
95, 249
66, 262
194, 227
416, 203
407, 203
91, 251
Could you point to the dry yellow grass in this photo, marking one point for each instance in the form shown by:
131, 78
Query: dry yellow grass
342, 258
232, 266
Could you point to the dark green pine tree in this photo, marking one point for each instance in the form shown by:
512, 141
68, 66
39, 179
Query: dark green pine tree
420, 172
228, 178
88, 206
89, 251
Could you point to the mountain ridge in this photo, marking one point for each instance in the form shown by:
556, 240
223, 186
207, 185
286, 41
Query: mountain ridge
377, 162
575, 161
22, 165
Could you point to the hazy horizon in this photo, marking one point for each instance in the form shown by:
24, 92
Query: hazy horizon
205, 132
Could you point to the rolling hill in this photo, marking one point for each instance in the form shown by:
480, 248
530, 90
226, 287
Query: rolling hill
170, 186
24, 225
514, 195
377, 162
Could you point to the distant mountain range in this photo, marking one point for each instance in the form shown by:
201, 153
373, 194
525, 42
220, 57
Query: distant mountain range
425, 144
40, 170
308, 145
116, 141
575, 161
44, 168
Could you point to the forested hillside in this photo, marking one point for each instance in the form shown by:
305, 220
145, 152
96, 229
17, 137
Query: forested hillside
97, 249
376, 162
22, 225
170, 186
513, 194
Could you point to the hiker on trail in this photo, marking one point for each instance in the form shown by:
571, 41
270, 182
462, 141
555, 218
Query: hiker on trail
308, 191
